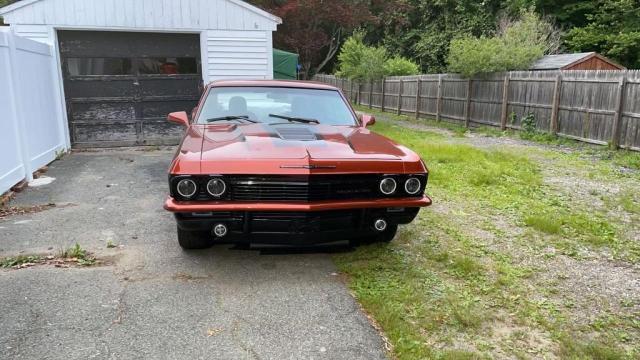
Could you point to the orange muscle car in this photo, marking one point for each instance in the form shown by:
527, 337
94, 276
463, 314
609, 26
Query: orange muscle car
290, 163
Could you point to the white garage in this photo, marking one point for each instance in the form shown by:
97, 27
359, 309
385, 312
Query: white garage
122, 65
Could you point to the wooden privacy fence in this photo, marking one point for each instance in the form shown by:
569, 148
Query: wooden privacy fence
599, 107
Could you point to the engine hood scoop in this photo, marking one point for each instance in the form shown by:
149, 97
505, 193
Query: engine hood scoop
296, 133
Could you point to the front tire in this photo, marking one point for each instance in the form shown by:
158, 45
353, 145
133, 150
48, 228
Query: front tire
384, 237
193, 240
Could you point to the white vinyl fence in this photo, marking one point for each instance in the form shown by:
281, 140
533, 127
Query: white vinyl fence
31, 126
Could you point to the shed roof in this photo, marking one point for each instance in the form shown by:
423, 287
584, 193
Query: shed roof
20, 6
562, 61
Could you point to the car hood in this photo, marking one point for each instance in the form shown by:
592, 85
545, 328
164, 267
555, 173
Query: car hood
293, 141
260, 147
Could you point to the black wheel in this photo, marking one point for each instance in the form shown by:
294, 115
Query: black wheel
189, 240
386, 236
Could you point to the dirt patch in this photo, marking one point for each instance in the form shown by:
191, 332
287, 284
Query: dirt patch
28, 261
8, 211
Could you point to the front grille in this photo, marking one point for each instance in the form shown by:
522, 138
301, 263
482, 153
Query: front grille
301, 188
312, 188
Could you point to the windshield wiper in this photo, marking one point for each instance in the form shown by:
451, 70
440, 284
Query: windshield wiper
295, 119
232, 117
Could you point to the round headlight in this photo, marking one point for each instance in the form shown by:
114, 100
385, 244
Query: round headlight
412, 186
388, 186
186, 188
216, 187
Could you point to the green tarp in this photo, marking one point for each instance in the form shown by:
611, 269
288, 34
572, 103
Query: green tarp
285, 65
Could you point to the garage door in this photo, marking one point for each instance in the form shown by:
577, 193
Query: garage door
120, 86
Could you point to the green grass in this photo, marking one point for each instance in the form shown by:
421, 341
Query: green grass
441, 287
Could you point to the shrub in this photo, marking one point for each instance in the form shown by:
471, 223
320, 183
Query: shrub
400, 66
357, 61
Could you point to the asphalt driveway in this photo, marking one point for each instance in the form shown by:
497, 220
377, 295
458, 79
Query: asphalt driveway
151, 299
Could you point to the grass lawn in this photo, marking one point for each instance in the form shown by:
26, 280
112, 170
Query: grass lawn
530, 250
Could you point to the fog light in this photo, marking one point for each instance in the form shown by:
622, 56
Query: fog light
220, 230
380, 225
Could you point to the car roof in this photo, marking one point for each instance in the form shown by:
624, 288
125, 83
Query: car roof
272, 83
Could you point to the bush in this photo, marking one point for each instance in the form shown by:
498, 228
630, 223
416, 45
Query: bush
351, 55
516, 46
400, 66
358, 61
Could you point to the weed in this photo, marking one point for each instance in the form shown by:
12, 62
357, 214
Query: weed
78, 253
60, 154
528, 123
111, 244
19, 260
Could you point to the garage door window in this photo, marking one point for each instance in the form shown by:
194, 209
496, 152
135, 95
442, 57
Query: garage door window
168, 66
128, 66
99, 66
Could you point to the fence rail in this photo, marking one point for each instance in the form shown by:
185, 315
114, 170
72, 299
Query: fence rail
598, 107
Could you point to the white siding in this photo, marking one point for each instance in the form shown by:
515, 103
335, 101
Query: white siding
238, 55
144, 14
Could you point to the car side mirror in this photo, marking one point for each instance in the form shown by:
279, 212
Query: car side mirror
368, 120
180, 118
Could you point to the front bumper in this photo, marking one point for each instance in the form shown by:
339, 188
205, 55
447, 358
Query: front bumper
213, 206
295, 228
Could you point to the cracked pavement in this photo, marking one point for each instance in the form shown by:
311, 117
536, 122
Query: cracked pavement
150, 299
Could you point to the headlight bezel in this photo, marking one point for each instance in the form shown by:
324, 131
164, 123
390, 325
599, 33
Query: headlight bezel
201, 181
382, 184
411, 179
224, 189
401, 181
187, 180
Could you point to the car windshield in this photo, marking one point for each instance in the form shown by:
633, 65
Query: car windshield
245, 105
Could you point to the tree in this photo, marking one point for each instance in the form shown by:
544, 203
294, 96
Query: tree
516, 46
315, 28
613, 30
422, 30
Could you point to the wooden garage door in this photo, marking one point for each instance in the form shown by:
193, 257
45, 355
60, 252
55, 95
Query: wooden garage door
120, 86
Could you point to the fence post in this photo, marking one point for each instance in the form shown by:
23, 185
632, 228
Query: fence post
615, 133
556, 105
384, 81
439, 98
21, 131
359, 93
400, 97
418, 101
352, 93
370, 93
505, 102
467, 107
